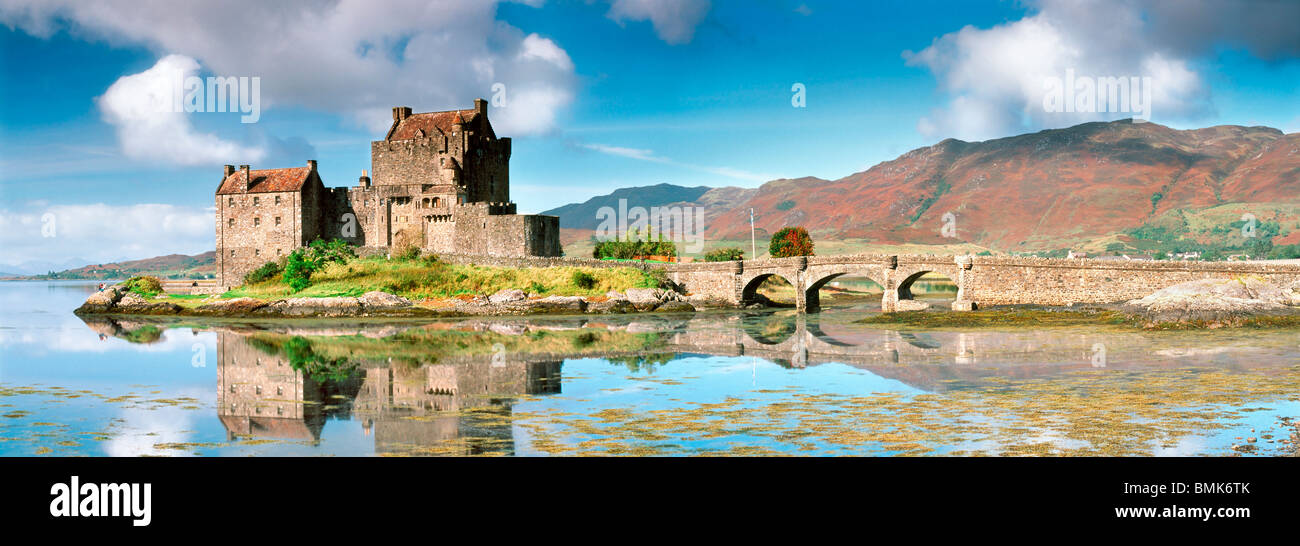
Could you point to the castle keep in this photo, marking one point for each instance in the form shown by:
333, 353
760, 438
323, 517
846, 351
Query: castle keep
441, 182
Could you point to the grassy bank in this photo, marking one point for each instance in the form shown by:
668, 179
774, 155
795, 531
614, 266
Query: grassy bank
418, 279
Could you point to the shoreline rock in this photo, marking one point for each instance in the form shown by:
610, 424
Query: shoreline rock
375, 304
1216, 302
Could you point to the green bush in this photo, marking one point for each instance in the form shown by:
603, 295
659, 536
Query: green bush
583, 280
655, 278
298, 270
321, 252
790, 242
301, 263
265, 272
725, 254
536, 287
785, 205
144, 285
633, 245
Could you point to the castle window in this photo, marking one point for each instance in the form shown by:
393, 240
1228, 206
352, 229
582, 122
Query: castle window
436, 201
257, 220
277, 200
277, 220
231, 203
232, 253
277, 252
230, 222
255, 199
257, 252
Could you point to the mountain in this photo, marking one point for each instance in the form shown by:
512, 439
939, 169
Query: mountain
1096, 186
169, 266
583, 215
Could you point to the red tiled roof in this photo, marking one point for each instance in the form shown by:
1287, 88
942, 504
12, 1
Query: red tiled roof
429, 121
267, 180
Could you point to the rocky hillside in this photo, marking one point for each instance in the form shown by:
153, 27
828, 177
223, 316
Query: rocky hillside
1118, 185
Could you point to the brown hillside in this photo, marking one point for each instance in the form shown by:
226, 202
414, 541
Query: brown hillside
1036, 191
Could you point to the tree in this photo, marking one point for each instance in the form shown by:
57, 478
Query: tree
790, 242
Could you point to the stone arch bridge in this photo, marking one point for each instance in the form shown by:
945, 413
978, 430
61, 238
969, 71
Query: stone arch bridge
980, 280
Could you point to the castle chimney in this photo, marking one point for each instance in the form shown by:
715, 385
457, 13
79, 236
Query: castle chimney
364, 181
247, 180
401, 112
312, 163
480, 106
230, 169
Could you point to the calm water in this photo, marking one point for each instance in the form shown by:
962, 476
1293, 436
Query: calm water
714, 383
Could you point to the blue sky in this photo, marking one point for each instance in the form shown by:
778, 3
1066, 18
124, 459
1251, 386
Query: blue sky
599, 94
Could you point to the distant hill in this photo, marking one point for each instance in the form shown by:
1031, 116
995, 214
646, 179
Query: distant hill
583, 215
171, 266
1098, 187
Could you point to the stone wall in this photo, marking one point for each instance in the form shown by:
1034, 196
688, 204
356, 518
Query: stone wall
997, 281
253, 229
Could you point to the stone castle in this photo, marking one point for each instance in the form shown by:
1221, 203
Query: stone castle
441, 182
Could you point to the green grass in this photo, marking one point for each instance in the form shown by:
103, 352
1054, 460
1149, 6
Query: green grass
418, 279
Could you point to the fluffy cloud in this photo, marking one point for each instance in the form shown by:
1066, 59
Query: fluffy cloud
674, 20
358, 57
995, 79
140, 107
100, 233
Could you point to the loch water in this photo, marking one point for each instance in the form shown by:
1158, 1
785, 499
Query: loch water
769, 382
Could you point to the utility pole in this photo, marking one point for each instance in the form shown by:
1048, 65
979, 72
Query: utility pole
753, 248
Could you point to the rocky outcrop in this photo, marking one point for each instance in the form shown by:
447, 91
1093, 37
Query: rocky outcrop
507, 295
1216, 302
118, 300
675, 306
229, 308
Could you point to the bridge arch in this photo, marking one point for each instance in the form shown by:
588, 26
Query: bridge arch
750, 292
812, 295
909, 279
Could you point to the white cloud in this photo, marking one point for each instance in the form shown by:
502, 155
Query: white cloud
994, 78
355, 57
139, 107
649, 155
102, 233
674, 20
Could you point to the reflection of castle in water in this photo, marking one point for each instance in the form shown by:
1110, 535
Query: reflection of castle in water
408, 407
454, 407
262, 396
